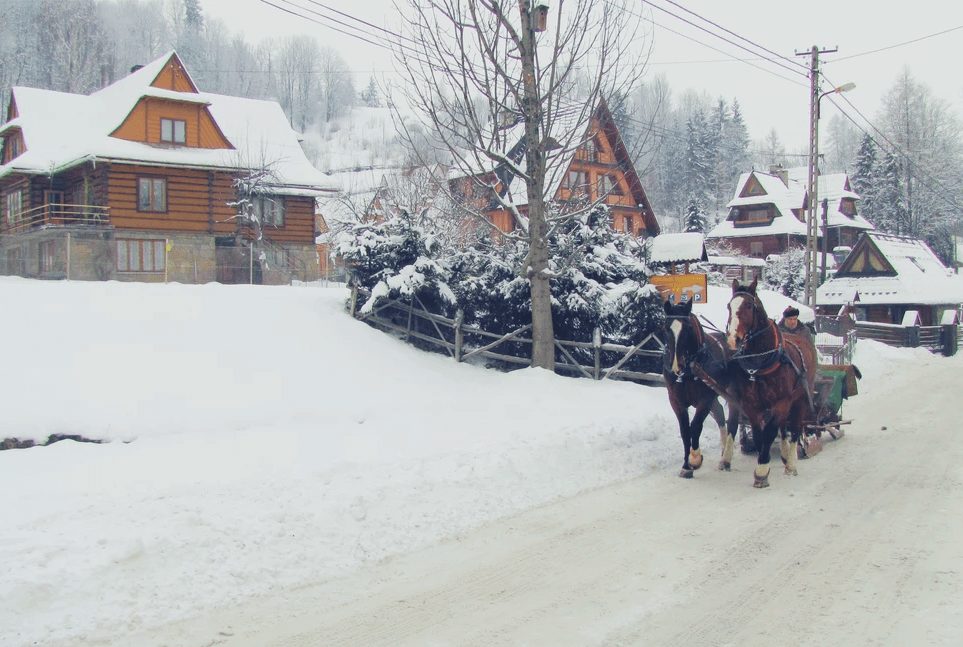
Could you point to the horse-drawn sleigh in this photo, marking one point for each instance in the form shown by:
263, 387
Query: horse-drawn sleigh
768, 377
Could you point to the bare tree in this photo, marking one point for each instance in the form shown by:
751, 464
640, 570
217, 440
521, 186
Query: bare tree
498, 95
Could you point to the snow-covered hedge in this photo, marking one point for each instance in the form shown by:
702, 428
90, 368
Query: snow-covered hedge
599, 277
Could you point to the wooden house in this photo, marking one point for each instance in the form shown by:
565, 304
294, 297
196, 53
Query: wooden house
767, 214
885, 276
589, 163
144, 179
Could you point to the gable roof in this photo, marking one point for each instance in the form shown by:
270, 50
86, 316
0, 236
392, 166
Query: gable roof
62, 130
758, 188
890, 269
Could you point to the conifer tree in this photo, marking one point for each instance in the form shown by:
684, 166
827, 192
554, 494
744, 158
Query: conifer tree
696, 219
864, 175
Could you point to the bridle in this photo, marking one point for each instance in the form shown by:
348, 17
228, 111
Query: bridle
697, 332
765, 362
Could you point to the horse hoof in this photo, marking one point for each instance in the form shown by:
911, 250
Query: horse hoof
760, 476
686, 474
725, 466
695, 459
791, 472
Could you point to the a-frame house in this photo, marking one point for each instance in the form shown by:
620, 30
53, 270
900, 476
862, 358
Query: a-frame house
598, 169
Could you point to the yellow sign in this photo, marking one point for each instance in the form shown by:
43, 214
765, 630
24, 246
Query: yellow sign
678, 287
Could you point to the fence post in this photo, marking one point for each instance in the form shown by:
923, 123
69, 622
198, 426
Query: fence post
913, 336
597, 349
354, 299
411, 310
68, 256
459, 338
948, 339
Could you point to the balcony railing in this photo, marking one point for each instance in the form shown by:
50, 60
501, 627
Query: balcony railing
57, 215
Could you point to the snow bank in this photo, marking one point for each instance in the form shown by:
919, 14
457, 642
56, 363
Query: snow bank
273, 442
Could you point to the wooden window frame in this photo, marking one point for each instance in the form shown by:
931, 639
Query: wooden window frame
158, 253
277, 206
757, 249
13, 215
152, 180
173, 130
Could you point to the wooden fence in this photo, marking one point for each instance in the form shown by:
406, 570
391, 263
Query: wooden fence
943, 339
462, 341
835, 338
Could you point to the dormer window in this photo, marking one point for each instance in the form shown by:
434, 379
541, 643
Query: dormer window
174, 131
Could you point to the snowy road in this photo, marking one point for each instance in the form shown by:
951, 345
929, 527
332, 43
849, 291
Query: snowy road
863, 548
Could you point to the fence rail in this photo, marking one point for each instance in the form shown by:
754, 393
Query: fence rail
58, 215
463, 341
943, 339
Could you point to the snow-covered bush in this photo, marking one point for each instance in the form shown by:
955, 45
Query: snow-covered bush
395, 258
786, 273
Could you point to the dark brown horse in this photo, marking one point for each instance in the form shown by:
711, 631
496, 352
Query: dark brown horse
688, 347
774, 381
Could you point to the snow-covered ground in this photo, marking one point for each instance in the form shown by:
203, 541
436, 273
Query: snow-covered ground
260, 440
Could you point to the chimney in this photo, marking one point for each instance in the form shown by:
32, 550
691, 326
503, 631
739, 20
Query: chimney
780, 172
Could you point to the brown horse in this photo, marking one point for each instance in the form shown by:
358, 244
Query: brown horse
774, 383
689, 348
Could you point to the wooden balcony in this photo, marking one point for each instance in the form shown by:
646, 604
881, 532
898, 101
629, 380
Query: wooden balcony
56, 215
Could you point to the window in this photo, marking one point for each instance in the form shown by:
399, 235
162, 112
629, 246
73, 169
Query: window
608, 185
151, 194
48, 255
270, 210
14, 206
755, 249
174, 131
576, 179
848, 207
749, 216
628, 224
140, 255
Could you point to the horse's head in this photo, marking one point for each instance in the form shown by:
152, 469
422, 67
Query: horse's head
746, 314
681, 333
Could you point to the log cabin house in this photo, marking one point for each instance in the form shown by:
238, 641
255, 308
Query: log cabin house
767, 215
142, 180
589, 164
885, 276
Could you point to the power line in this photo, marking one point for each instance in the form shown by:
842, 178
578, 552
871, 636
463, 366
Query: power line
907, 42
794, 70
922, 174
715, 49
739, 36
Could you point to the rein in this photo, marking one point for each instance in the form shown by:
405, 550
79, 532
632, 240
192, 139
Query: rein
753, 363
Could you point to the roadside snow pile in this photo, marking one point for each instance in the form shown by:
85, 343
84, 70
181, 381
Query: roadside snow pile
275, 442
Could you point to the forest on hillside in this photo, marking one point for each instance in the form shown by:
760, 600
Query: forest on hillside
689, 147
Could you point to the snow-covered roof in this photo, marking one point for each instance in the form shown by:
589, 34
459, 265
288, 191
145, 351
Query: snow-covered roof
920, 277
741, 261
61, 130
677, 248
789, 196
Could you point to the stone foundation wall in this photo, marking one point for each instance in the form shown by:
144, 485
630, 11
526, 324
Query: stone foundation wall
91, 255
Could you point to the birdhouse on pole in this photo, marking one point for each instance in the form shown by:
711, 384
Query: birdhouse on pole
540, 16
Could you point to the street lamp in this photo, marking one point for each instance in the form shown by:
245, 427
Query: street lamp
811, 221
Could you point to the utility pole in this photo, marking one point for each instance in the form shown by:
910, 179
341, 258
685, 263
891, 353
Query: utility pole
812, 225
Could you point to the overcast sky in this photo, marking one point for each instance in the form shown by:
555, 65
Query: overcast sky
854, 26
